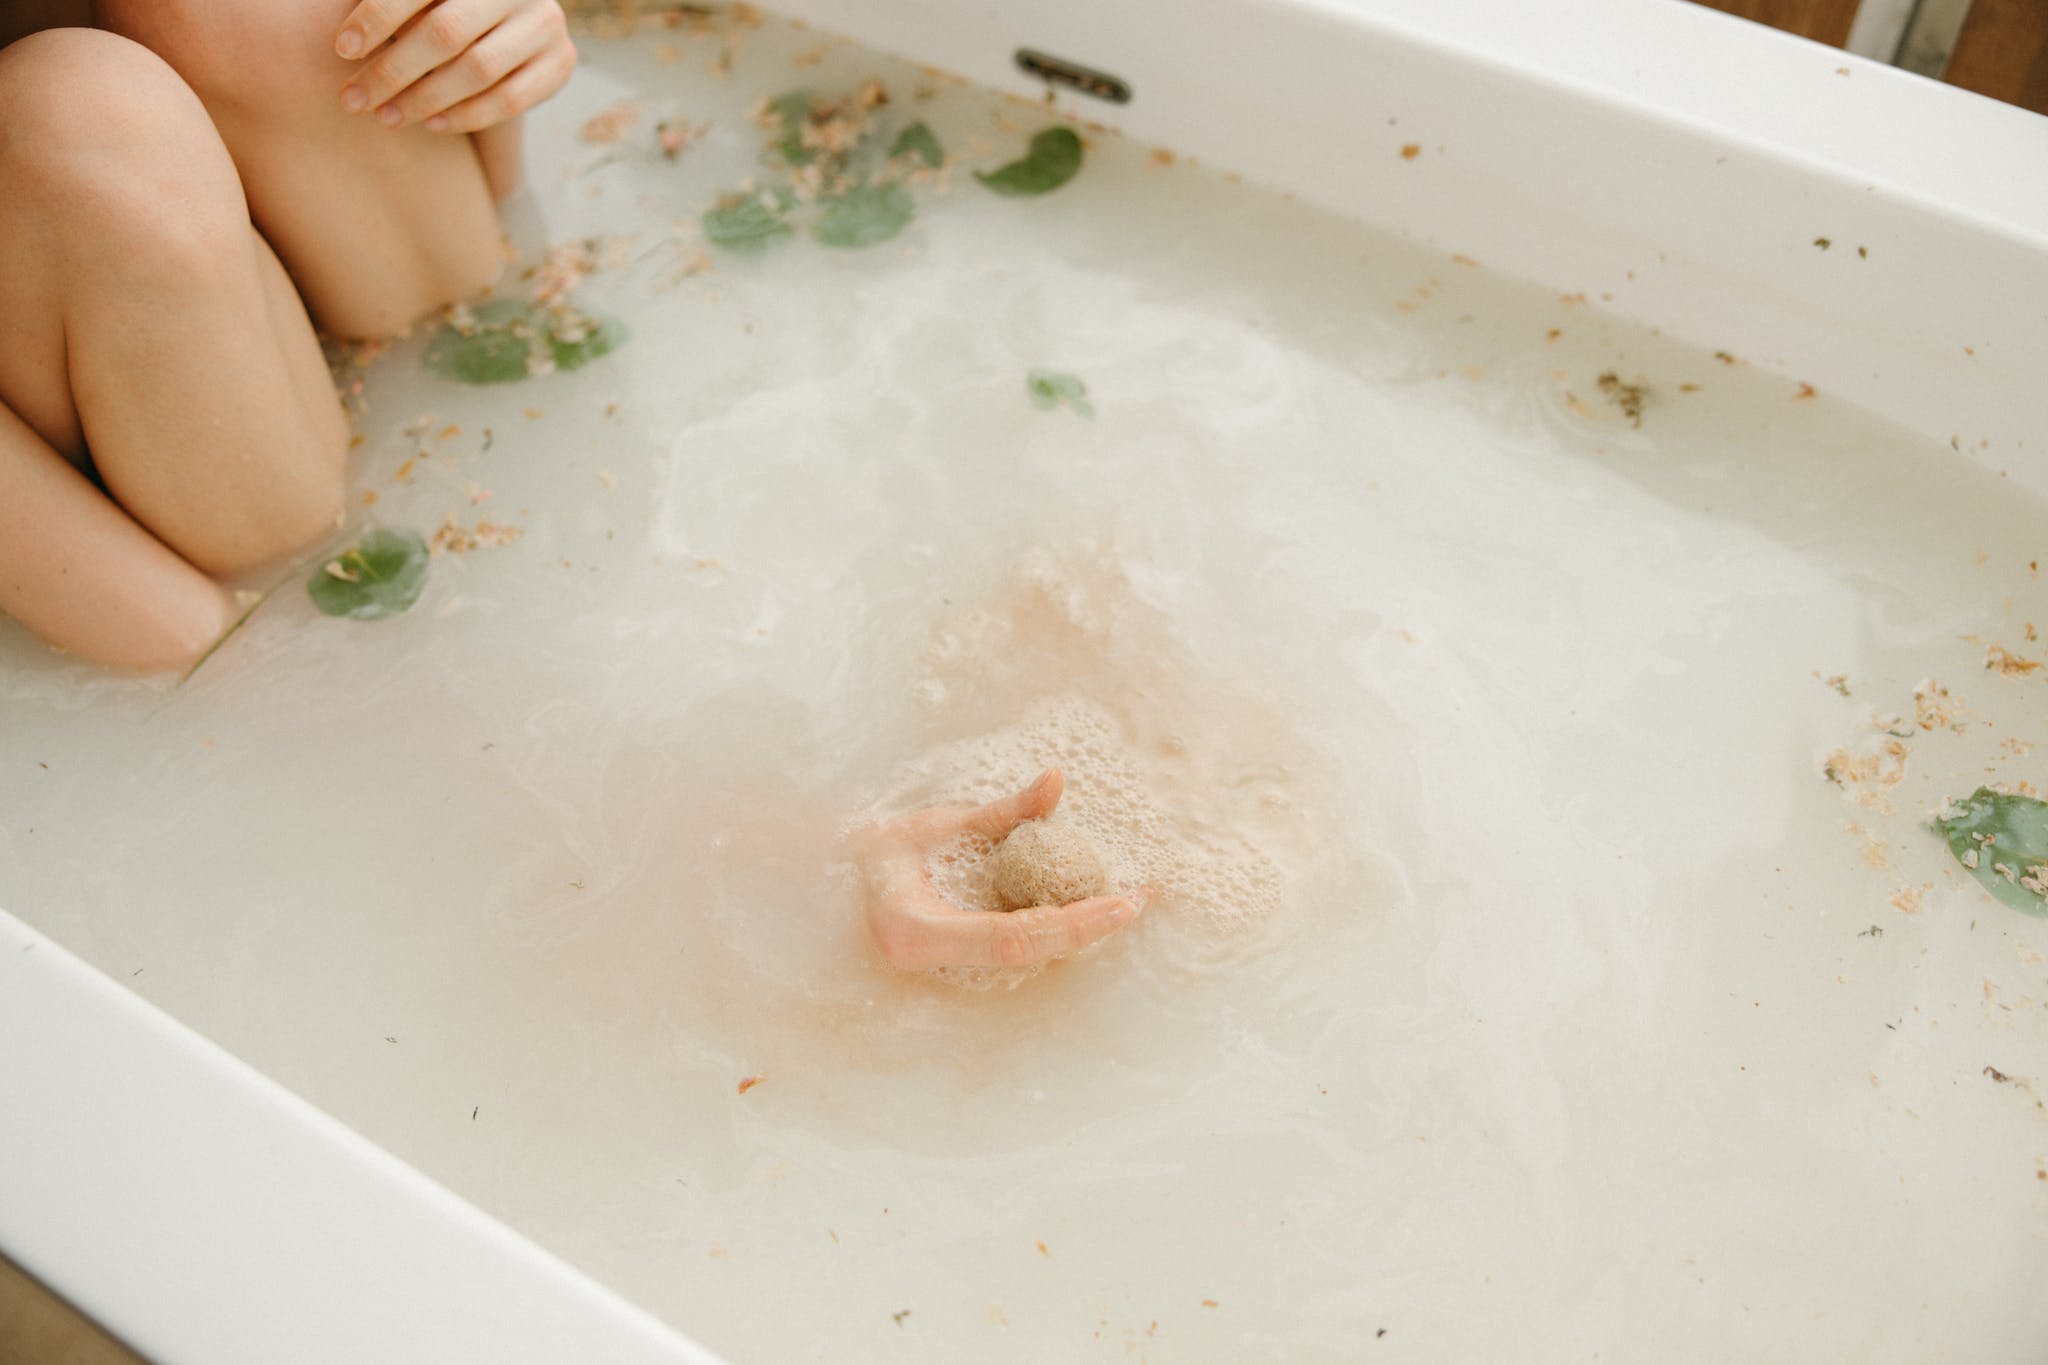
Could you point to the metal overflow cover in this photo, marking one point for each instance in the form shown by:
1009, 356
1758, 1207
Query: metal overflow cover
1087, 80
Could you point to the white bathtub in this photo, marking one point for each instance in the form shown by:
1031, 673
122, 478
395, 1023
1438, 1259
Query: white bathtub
1676, 167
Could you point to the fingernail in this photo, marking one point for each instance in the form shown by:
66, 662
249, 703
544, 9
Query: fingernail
438, 124
389, 116
353, 99
349, 44
1123, 912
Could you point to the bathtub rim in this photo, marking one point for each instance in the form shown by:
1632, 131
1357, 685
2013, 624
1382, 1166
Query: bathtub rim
347, 1253
1524, 119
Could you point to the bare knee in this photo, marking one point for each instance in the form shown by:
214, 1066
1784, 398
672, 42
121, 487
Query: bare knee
66, 91
109, 159
118, 192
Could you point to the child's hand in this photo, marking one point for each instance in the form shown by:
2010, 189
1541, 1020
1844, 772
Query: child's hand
916, 927
458, 66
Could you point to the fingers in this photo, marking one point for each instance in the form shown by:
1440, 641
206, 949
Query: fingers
918, 931
485, 62
372, 22
928, 828
1035, 802
1036, 935
473, 62
434, 34
518, 92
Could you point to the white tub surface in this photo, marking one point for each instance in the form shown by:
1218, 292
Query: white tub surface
1672, 163
202, 1213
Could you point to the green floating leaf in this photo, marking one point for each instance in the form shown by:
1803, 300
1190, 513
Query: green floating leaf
583, 339
744, 224
863, 216
380, 575
1054, 157
794, 111
495, 344
1056, 388
2003, 841
918, 141
493, 349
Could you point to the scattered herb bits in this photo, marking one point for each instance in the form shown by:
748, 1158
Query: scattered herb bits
2002, 840
505, 340
863, 216
379, 576
1627, 397
1056, 388
1053, 160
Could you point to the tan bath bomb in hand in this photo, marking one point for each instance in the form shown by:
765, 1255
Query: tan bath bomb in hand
1044, 862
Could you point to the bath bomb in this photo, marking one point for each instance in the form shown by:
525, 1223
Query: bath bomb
1044, 862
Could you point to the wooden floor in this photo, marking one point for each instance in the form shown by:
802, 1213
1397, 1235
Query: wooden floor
2002, 51
1824, 21
38, 1328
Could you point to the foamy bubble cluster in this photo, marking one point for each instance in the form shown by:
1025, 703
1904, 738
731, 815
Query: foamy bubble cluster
1126, 805
1183, 783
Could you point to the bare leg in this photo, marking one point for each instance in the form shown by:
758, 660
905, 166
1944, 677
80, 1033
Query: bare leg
79, 572
142, 318
377, 226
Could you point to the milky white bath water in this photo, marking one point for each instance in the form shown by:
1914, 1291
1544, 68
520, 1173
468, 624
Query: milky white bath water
1530, 992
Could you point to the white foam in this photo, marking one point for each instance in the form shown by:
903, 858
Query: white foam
1185, 784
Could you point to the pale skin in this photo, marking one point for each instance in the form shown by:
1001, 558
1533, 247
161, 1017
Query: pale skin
177, 217
916, 928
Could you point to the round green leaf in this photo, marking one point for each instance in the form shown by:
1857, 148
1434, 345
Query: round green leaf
744, 223
494, 350
1054, 158
380, 575
595, 335
918, 141
2002, 841
863, 216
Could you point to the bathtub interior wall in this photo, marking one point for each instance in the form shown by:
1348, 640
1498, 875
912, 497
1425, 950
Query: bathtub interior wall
1829, 217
